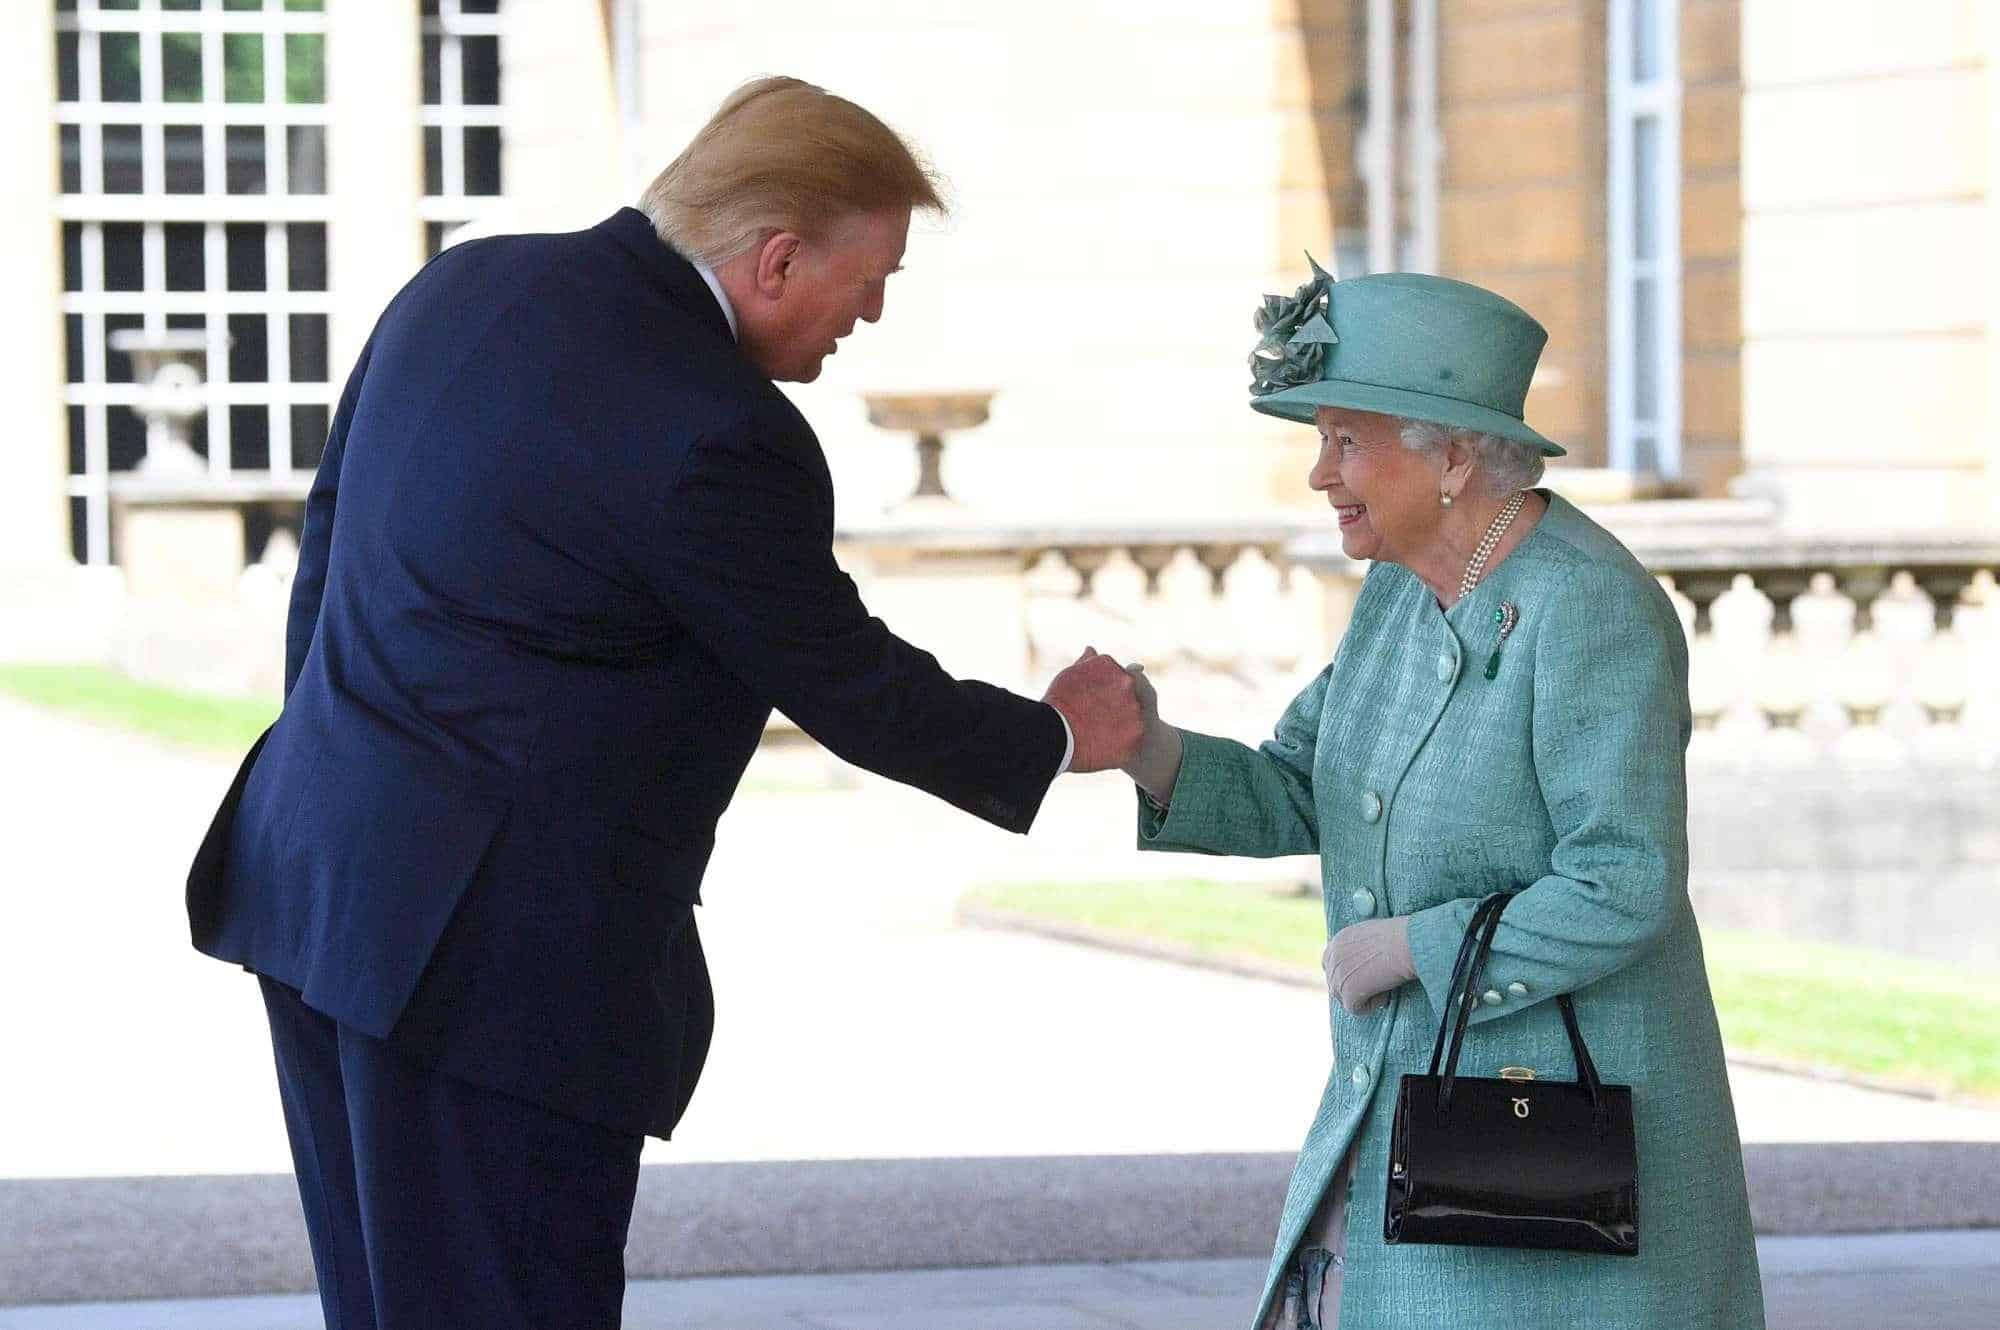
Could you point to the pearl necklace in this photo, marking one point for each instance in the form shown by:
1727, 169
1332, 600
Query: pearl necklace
1476, 567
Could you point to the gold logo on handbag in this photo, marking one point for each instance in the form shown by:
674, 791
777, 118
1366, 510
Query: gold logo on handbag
1520, 1108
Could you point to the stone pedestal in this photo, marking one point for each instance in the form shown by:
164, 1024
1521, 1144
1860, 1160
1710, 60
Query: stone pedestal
189, 619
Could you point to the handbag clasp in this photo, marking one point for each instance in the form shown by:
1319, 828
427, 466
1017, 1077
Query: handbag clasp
1517, 1073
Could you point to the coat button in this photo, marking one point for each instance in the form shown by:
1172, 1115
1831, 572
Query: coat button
1364, 902
1371, 806
1447, 667
1360, 1076
1518, 989
1491, 997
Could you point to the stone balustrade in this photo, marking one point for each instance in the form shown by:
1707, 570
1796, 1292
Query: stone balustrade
1881, 649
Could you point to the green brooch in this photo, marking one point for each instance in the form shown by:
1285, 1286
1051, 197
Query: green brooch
1504, 619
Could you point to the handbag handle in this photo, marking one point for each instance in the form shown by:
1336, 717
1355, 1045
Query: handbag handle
1472, 953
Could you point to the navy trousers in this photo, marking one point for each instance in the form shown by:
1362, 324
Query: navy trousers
434, 1204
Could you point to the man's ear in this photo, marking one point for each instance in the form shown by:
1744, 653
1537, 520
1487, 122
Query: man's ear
774, 264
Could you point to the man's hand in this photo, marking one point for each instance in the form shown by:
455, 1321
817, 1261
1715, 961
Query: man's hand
1097, 697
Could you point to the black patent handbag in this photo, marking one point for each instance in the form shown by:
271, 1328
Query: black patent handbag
1514, 1161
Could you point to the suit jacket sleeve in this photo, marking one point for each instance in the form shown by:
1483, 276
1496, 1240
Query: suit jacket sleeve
744, 559
316, 533
1610, 733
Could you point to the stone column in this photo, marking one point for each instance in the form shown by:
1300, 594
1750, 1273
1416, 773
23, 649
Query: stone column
563, 163
34, 522
375, 166
1867, 273
1991, 46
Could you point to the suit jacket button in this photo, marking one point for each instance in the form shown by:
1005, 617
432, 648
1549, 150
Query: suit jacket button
1371, 806
1360, 1076
1447, 667
1491, 997
1518, 989
1363, 901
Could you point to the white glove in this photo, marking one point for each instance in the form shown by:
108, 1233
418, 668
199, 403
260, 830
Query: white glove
1157, 764
1365, 960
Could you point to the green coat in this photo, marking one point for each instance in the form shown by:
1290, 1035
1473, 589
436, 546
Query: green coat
1423, 786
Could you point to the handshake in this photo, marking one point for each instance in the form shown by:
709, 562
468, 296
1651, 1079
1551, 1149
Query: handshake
1114, 715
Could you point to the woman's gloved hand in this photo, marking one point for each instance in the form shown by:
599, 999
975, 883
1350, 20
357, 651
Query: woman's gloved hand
1157, 764
1365, 961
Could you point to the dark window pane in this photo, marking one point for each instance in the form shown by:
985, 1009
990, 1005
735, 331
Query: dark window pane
180, 66
249, 438
305, 159
73, 346
127, 437
427, 7
187, 259
478, 6
72, 256
123, 169
306, 266
242, 4
308, 348
305, 6
180, 4
242, 67
198, 434
434, 234
249, 349
433, 70
433, 160
117, 4
124, 257
187, 323
66, 79
244, 242
118, 66
482, 159
118, 364
305, 67
479, 70
69, 140
79, 529
308, 436
77, 463
185, 171
244, 150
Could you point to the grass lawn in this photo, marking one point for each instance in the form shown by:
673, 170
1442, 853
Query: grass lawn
1852, 1010
224, 725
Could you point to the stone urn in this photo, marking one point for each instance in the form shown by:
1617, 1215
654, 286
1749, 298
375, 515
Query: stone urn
169, 367
929, 416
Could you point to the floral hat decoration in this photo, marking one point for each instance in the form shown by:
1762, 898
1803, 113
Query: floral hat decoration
1401, 344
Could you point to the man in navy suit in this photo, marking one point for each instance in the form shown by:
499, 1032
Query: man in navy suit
566, 550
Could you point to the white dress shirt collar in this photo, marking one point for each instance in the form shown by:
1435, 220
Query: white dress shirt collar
715, 289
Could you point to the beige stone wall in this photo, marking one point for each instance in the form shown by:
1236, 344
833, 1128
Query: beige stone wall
1523, 93
561, 145
1711, 244
1867, 263
1115, 173
34, 518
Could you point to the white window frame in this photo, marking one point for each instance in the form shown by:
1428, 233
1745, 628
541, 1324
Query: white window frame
1654, 101
213, 209
451, 116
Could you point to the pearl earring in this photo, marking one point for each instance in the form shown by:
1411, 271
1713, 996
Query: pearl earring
1445, 499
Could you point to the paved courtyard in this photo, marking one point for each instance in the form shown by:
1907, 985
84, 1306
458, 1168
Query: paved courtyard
856, 1021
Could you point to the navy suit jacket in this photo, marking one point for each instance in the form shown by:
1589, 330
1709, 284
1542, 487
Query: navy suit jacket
565, 551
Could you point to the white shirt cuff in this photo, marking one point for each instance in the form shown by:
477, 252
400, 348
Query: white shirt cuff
1069, 742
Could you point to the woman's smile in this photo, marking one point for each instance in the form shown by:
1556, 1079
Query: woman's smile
1349, 513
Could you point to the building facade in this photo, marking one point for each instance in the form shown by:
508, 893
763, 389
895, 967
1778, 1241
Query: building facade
1757, 230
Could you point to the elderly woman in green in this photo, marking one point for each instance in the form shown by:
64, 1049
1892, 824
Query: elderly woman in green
1508, 710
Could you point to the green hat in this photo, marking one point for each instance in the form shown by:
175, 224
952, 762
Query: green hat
1402, 344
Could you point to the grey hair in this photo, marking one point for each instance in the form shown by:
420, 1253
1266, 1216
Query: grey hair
1505, 465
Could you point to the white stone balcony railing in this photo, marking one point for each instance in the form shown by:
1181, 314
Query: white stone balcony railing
1869, 651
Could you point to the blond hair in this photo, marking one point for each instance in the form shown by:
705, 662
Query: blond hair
780, 154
